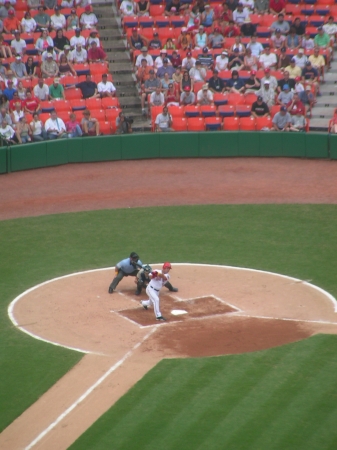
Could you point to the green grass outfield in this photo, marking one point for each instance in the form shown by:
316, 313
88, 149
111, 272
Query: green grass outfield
295, 240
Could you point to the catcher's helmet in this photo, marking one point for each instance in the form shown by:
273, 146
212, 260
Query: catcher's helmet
134, 255
167, 265
147, 268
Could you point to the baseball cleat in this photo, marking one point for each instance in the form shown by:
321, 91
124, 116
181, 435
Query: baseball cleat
110, 290
137, 292
144, 306
174, 290
161, 318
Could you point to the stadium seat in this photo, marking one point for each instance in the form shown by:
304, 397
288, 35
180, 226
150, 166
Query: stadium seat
226, 111
93, 103
307, 10
230, 124
82, 69
130, 22
242, 110
69, 80
274, 109
207, 111
27, 83
176, 111
112, 114
322, 10
78, 104
179, 124
44, 116
146, 22
196, 124
263, 32
98, 114
247, 124
178, 21
46, 106
220, 99
192, 111
158, 10
263, 122
62, 105
295, 10
64, 115
316, 21
73, 94
213, 123
105, 127
98, 68
236, 99
250, 98
197, 86
110, 102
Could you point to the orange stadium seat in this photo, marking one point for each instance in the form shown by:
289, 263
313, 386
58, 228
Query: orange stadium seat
98, 114
44, 116
231, 124
274, 109
112, 114
62, 105
213, 123
157, 10
250, 98
208, 111
78, 104
192, 111
220, 99
226, 111
176, 111
179, 124
146, 22
46, 106
98, 68
64, 115
130, 22
236, 99
105, 127
242, 110
73, 94
110, 102
196, 124
247, 124
93, 103
263, 122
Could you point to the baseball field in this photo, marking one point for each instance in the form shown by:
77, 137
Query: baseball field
278, 397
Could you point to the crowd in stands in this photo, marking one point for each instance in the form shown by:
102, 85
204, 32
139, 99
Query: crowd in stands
253, 64
54, 79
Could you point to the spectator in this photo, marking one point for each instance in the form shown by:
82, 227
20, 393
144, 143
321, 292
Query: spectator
23, 131
127, 8
221, 61
330, 28
267, 94
83, 3
248, 4
67, 3
157, 98
88, 88
333, 125
38, 130
207, 16
284, 59
5, 9
14, 100
236, 61
90, 125
50, 50
293, 40
159, 61
268, 59
5, 50
55, 127
88, 19
155, 42
65, 67
172, 95
310, 77
3, 70
142, 8
11, 23
41, 90
282, 120
49, 68
28, 24
295, 105
93, 37
317, 61
18, 68
32, 104
43, 42
79, 55
106, 88
205, 96
250, 62
60, 41
56, 90
307, 42
322, 40
261, 6
21, 90
174, 7
149, 87
176, 60
277, 6
308, 98
10, 77
163, 121
280, 24
177, 76
143, 72
9, 90
285, 96
42, 19
184, 39
223, 14
215, 39
240, 15
286, 80
31, 67
300, 58
253, 83
188, 62
206, 59
144, 55
77, 39
200, 39
165, 82
187, 97
4, 116
294, 71
235, 84
232, 4
247, 28
18, 45
17, 114
73, 127
255, 47
232, 30
4, 103
216, 84
186, 81
166, 68
58, 20
123, 125
298, 88
278, 39
7, 133
50, 4
259, 108
238, 46
298, 122
197, 73
299, 27
73, 20
96, 54
66, 52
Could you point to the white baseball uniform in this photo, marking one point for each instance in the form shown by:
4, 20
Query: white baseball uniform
152, 291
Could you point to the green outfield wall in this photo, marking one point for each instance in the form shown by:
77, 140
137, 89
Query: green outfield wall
167, 145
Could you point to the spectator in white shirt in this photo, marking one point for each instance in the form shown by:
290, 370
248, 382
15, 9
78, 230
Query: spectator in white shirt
127, 8
50, 50
77, 39
105, 88
18, 45
55, 127
93, 38
79, 55
188, 62
240, 14
300, 58
144, 55
28, 24
268, 59
256, 47
88, 19
58, 20
221, 61
41, 90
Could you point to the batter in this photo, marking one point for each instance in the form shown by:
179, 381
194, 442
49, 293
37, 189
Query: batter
158, 279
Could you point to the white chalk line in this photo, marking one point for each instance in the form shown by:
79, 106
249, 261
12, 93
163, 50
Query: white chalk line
323, 322
35, 336
87, 392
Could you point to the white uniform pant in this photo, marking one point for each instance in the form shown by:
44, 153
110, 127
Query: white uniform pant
153, 300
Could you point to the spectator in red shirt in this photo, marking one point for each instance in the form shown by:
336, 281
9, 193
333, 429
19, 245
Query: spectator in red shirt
96, 54
14, 100
277, 6
32, 104
11, 23
232, 30
295, 105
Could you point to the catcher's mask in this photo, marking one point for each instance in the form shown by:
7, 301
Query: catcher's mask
147, 268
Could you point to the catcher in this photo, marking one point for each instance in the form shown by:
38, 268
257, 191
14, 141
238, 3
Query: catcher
143, 279
125, 268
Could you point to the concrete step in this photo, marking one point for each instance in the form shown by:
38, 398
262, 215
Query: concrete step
319, 124
322, 113
118, 67
130, 102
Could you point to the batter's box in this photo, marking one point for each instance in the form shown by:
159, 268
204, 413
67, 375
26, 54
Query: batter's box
195, 308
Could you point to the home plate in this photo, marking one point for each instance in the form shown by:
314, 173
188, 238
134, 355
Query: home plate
178, 312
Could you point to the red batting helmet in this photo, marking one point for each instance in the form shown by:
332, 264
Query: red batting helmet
167, 265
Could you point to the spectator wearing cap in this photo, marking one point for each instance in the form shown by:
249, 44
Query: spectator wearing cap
286, 80
207, 16
184, 39
253, 83
200, 39
10, 77
166, 68
216, 84
50, 50
283, 59
188, 61
268, 77
247, 28
43, 42
42, 19
41, 90
60, 41
330, 28
322, 40
28, 24
215, 39
293, 40
307, 42
93, 37
187, 97
96, 54
294, 71
144, 55
18, 68
88, 19
176, 59
206, 58
142, 8
79, 55
317, 61
90, 125
77, 39
106, 88
56, 90
221, 61
280, 24
282, 120
18, 45
232, 4
308, 98
255, 47
295, 104
159, 61
285, 96
236, 61
250, 61
4, 9
58, 20
299, 26
11, 23
267, 93
157, 98
175, 7
143, 72
260, 108
235, 84
136, 41
277, 6
150, 85
65, 52
231, 30
268, 59
240, 14
127, 8
310, 77
197, 73
261, 6
163, 121
278, 39
155, 43
300, 58
238, 45
73, 20
49, 68
205, 96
